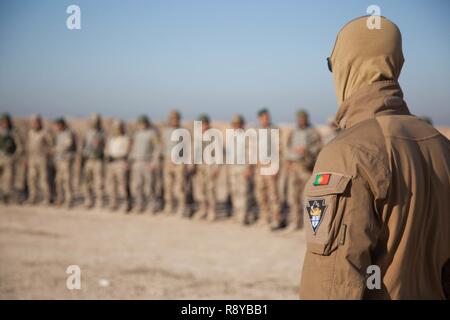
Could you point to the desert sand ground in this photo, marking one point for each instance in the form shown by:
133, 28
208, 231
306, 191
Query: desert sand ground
142, 256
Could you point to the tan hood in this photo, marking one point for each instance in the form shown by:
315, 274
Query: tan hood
362, 56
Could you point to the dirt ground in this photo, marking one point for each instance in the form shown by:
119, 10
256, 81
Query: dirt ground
143, 256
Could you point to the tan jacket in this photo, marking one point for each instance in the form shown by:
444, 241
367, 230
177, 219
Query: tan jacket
383, 199
118, 147
65, 145
39, 143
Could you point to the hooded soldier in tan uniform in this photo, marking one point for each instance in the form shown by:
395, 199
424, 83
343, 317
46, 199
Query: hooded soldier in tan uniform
173, 174
93, 153
379, 191
38, 148
64, 156
116, 151
10, 151
205, 181
303, 146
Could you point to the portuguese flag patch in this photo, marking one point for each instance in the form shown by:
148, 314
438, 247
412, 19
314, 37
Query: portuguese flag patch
322, 179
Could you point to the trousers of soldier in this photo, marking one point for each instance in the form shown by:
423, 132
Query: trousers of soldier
38, 178
239, 189
174, 180
117, 181
267, 197
6, 175
205, 188
63, 180
142, 181
93, 181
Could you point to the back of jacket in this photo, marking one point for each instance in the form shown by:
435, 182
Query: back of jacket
416, 215
379, 196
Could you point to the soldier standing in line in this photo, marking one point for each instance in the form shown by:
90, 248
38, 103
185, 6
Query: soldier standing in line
173, 174
144, 158
205, 182
10, 150
303, 146
266, 186
93, 152
239, 174
64, 155
157, 185
117, 148
39, 147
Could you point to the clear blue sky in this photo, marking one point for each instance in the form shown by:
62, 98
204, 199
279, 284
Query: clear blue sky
222, 57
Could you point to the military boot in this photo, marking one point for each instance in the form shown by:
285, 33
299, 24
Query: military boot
200, 213
212, 215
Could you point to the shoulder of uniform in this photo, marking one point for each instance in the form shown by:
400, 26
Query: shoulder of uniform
366, 134
337, 156
354, 153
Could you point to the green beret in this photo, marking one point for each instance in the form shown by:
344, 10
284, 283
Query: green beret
5, 117
143, 119
60, 121
175, 114
237, 118
263, 111
302, 113
204, 118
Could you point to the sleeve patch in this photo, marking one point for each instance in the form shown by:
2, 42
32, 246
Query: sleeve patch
316, 210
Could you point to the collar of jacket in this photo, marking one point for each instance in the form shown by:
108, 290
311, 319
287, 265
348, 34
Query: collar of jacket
378, 98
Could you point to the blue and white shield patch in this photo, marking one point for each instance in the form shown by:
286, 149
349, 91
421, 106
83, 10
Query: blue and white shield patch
316, 210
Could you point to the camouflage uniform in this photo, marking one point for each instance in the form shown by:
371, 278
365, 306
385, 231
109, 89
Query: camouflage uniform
144, 157
239, 191
299, 168
10, 150
266, 193
205, 189
267, 197
93, 156
117, 149
64, 156
39, 145
238, 179
173, 174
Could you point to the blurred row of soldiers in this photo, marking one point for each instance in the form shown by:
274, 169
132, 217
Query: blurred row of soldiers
135, 171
